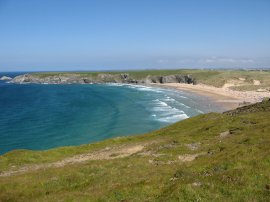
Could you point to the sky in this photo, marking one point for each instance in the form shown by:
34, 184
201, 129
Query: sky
52, 35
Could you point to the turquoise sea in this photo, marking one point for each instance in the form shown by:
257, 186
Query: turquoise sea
40, 117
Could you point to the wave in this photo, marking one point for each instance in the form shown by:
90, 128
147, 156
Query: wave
136, 86
164, 109
169, 99
166, 113
173, 118
114, 84
144, 88
201, 112
185, 105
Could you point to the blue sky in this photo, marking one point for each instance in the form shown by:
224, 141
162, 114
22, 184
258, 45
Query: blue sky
133, 34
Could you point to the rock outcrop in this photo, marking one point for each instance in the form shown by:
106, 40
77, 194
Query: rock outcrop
74, 78
5, 78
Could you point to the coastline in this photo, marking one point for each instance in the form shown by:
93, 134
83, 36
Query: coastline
225, 97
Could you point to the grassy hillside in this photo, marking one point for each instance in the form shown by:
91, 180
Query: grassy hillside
242, 78
211, 157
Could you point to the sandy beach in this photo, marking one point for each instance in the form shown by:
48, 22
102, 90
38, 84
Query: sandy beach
229, 99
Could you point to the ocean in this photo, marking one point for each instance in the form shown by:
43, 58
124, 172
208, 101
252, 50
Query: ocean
38, 117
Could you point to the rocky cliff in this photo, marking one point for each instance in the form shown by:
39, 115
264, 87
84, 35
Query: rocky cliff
73, 78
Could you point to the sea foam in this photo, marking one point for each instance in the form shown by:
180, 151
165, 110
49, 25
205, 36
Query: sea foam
166, 113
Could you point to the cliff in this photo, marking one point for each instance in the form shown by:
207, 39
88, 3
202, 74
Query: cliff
77, 78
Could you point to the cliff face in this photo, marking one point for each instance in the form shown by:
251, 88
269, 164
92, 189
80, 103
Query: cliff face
99, 78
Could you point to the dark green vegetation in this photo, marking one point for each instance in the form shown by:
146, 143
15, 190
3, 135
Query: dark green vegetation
241, 79
211, 157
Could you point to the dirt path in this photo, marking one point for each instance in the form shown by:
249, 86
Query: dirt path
104, 154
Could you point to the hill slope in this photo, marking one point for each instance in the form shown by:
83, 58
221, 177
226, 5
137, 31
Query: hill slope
211, 157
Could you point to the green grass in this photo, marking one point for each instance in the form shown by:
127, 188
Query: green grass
251, 87
234, 168
215, 78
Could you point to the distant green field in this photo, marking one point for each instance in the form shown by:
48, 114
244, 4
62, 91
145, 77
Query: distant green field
211, 157
215, 78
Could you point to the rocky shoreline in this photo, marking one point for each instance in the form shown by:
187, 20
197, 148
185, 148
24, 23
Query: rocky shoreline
99, 78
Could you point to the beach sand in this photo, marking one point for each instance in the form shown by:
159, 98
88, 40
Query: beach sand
227, 98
